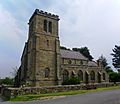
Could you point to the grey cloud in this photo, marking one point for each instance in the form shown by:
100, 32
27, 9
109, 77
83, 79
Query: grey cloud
92, 23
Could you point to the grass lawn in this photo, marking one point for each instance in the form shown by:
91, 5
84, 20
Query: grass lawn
31, 97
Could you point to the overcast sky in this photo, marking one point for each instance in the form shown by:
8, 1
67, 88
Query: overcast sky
91, 23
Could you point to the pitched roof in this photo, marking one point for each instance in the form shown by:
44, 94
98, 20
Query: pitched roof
72, 54
92, 63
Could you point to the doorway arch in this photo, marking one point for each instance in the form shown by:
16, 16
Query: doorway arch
80, 75
92, 76
65, 75
86, 77
99, 77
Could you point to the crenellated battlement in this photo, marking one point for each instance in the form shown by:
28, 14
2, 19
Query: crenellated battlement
43, 13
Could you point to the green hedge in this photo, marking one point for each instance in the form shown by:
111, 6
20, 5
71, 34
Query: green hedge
71, 81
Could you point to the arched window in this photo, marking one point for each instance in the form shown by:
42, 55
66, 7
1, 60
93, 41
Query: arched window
50, 26
103, 76
65, 74
99, 77
92, 75
80, 75
45, 25
47, 72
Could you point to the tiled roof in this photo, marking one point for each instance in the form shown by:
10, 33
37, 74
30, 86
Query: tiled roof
92, 63
72, 54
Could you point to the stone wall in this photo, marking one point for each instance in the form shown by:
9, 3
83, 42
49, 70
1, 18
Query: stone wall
12, 92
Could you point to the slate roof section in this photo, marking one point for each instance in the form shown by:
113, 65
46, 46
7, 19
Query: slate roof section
72, 54
92, 63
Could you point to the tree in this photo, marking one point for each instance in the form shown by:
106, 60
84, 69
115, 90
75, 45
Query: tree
7, 81
105, 64
114, 77
84, 51
116, 57
64, 48
108, 69
103, 61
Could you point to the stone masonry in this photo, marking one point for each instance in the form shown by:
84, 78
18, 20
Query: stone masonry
43, 63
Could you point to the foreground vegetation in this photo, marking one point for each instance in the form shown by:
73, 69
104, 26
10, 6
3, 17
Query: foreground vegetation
31, 97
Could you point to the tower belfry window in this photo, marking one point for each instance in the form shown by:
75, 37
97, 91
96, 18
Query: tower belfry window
45, 25
50, 26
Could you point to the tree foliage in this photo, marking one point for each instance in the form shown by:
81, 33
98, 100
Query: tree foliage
105, 64
65, 48
103, 61
116, 57
114, 77
108, 69
7, 81
85, 51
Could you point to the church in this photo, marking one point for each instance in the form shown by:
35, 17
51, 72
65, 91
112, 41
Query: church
43, 63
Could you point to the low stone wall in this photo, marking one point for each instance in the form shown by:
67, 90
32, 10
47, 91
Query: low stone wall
12, 92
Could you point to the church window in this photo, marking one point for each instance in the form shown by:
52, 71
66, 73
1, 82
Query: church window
47, 72
65, 75
103, 76
92, 75
50, 27
80, 75
45, 25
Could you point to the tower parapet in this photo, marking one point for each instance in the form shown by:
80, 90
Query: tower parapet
45, 14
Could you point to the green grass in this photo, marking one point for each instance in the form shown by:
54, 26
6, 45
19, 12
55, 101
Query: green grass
31, 97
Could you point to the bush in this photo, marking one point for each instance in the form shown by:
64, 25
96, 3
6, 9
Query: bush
114, 77
7, 81
71, 81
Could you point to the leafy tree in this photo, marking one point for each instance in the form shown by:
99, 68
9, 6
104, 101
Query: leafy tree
105, 64
7, 81
116, 57
114, 77
103, 61
108, 69
85, 51
62, 47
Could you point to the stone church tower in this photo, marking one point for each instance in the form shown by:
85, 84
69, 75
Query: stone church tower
43, 50
43, 63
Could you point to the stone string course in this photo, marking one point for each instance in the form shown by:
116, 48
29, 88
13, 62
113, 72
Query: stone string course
13, 92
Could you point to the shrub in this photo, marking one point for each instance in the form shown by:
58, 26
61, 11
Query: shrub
71, 81
114, 77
